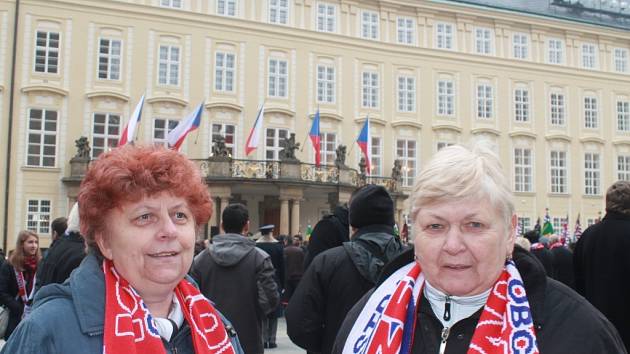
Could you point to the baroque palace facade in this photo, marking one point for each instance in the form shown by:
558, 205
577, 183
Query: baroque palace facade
545, 83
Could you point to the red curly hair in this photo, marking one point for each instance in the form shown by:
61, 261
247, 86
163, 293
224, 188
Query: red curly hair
129, 173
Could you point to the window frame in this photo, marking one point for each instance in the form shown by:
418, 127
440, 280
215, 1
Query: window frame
223, 131
325, 85
521, 48
589, 57
623, 167
523, 170
622, 112
169, 64
276, 138
40, 217
406, 93
106, 136
522, 105
376, 156
42, 134
48, 53
370, 89
555, 51
370, 30
165, 130
591, 112
109, 57
558, 171
484, 45
227, 5
485, 101
405, 34
402, 153
221, 72
620, 60
557, 109
325, 20
279, 9
444, 39
277, 81
592, 173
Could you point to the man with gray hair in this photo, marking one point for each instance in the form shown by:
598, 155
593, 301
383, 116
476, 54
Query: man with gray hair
601, 260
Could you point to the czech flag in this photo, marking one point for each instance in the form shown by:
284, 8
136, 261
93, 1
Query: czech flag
130, 128
365, 144
316, 138
254, 134
191, 122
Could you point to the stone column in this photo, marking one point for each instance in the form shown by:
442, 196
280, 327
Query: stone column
284, 216
295, 217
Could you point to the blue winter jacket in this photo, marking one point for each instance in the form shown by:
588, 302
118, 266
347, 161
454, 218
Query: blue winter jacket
69, 318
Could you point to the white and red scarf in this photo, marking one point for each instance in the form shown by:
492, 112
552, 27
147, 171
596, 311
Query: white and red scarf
129, 326
23, 293
387, 322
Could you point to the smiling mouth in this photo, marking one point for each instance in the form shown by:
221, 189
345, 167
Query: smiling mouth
456, 267
163, 254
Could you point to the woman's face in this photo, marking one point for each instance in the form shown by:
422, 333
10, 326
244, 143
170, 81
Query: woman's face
30, 246
151, 242
462, 245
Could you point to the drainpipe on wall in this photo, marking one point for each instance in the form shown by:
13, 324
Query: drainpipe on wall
7, 179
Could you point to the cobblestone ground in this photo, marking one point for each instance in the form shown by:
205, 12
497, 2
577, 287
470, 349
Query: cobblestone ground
285, 346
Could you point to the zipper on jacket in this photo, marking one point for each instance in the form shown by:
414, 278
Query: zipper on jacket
445, 332
447, 309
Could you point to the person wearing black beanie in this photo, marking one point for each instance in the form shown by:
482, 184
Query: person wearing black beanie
337, 278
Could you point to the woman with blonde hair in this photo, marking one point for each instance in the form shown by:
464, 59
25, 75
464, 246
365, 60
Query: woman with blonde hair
17, 278
465, 288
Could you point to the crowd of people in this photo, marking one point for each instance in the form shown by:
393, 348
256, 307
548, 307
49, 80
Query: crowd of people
126, 273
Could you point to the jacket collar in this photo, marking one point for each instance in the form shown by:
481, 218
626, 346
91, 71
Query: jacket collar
87, 286
376, 228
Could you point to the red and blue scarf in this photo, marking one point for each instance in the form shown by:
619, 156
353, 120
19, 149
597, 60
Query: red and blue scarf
387, 322
129, 326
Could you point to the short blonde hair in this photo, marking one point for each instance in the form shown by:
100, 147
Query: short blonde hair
456, 173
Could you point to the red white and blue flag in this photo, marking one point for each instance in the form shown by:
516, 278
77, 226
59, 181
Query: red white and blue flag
254, 134
130, 129
365, 143
191, 122
316, 139
578, 230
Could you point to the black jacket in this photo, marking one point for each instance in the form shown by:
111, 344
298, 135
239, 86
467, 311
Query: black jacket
564, 321
62, 258
331, 231
239, 279
334, 282
8, 296
563, 266
601, 260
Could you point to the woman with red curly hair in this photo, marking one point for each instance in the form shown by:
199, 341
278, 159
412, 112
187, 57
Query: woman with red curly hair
17, 278
140, 208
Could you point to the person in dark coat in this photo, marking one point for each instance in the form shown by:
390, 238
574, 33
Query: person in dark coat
465, 288
338, 277
331, 231
238, 277
562, 262
294, 266
275, 249
18, 296
541, 251
58, 228
602, 263
574, 326
65, 256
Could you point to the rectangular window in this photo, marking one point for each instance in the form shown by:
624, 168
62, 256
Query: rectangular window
590, 112
557, 108
620, 57
105, 132
226, 7
483, 41
278, 78
557, 224
38, 216
591, 174
521, 105
328, 146
555, 51
278, 11
109, 57
441, 145
406, 93
273, 139
522, 170
47, 52
589, 53
623, 116
446, 98
406, 31
325, 83
369, 25
161, 128
176, 4
42, 138
558, 172
520, 46
524, 224
444, 36
326, 18
370, 88
623, 167
376, 157
224, 72
228, 132
169, 65
484, 101
406, 153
